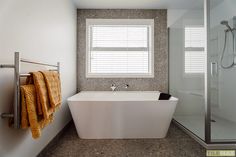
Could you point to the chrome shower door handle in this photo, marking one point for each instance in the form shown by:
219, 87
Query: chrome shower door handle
214, 69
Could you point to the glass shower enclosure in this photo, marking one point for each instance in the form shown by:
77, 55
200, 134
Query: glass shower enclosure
202, 61
222, 70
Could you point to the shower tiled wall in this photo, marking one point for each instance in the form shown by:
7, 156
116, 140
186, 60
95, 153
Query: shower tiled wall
159, 82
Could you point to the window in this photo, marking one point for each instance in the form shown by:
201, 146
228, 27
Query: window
120, 48
194, 50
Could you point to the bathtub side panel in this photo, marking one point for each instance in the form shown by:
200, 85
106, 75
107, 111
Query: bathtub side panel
122, 120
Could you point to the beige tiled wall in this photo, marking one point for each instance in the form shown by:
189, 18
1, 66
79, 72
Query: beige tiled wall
159, 82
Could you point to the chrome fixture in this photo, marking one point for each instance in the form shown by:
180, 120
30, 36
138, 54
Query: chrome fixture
231, 30
114, 86
226, 23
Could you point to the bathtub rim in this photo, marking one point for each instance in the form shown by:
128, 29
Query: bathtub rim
73, 98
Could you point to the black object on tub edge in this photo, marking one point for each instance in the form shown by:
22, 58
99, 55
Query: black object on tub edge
164, 96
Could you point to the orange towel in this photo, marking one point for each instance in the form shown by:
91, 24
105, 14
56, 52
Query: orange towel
29, 113
30, 116
54, 87
24, 112
44, 106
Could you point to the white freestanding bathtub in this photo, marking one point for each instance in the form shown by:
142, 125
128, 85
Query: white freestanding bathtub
121, 115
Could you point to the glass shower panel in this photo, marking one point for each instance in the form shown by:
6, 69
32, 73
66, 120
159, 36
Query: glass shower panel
187, 68
222, 85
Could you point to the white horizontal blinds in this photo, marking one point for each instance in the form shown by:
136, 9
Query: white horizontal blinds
118, 62
194, 37
119, 36
119, 49
194, 50
194, 61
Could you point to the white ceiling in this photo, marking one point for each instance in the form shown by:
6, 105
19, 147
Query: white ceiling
139, 4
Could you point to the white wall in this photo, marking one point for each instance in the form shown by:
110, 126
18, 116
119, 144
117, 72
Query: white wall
173, 15
43, 30
222, 11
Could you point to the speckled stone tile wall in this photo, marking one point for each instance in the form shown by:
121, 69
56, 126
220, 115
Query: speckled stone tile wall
159, 82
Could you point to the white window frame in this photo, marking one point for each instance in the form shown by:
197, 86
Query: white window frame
189, 75
91, 22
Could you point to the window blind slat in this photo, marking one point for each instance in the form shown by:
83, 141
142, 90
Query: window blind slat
119, 62
119, 36
194, 50
194, 37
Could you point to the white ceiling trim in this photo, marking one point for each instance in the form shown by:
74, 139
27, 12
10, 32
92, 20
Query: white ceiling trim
139, 4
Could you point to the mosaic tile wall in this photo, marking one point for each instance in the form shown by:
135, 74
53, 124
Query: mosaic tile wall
159, 82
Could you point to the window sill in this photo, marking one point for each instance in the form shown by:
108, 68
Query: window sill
119, 76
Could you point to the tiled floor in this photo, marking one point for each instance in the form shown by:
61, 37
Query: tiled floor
176, 144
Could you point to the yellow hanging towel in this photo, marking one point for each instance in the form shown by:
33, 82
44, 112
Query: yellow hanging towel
42, 95
34, 111
29, 113
53, 84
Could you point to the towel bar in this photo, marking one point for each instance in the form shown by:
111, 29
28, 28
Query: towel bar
7, 115
24, 75
17, 76
7, 66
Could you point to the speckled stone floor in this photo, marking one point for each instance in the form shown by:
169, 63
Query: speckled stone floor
176, 144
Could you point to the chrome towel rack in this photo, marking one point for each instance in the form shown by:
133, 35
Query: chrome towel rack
16, 115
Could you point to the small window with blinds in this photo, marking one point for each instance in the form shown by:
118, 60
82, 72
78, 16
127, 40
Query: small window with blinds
194, 54
120, 48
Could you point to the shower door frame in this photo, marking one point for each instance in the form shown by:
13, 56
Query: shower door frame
207, 73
